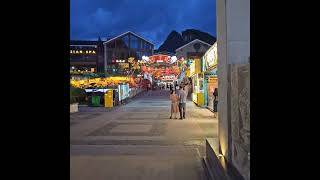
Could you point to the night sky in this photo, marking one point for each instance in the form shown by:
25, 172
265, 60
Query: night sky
152, 19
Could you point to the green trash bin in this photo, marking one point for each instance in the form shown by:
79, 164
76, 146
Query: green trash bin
96, 100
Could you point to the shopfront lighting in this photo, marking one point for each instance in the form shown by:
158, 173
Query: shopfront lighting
173, 59
145, 58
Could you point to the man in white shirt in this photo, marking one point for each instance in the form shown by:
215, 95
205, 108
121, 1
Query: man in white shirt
182, 102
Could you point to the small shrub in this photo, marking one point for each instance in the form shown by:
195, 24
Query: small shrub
77, 95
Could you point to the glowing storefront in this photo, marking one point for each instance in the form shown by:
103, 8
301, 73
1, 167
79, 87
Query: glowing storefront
209, 68
197, 82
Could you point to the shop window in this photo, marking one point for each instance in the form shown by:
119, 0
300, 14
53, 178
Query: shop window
111, 44
134, 42
200, 84
147, 46
125, 40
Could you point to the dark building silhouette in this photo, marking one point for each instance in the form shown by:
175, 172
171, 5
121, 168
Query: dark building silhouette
176, 40
117, 50
87, 55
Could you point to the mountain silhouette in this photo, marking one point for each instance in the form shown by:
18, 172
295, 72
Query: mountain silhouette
176, 40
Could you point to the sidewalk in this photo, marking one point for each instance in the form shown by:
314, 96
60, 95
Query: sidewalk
140, 139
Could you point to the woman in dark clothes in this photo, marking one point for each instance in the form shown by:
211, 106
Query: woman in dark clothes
215, 102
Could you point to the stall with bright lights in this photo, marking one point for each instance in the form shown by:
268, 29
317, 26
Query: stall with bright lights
197, 82
210, 72
124, 91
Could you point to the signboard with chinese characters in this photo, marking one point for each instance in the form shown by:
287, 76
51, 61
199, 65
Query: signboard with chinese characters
192, 68
212, 80
211, 57
195, 67
171, 78
124, 65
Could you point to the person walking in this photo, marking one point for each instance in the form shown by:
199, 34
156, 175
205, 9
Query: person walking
174, 104
182, 102
215, 102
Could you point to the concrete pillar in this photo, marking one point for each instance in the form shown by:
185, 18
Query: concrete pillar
233, 42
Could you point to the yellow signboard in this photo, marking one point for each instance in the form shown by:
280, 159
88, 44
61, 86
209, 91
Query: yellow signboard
188, 72
212, 80
197, 66
124, 65
192, 68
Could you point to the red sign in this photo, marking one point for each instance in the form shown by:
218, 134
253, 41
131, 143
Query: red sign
160, 58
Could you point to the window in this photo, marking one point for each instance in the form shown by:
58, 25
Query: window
122, 42
122, 56
134, 42
139, 55
109, 54
125, 39
111, 44
200, 84
142, 45
146, 46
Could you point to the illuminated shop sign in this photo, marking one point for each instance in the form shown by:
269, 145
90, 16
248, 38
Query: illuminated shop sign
192, 68
82, 52
164, 78
211, 57
124, 65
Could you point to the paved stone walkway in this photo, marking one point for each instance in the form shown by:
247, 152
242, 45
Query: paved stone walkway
139, 141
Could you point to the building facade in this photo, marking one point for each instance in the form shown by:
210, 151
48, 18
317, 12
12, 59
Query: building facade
192, 53
118, 49
192, 50
87, 55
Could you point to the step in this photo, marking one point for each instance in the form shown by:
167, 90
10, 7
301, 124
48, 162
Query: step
215, 167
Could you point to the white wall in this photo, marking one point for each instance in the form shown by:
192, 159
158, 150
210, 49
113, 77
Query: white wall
189, 48
233, 39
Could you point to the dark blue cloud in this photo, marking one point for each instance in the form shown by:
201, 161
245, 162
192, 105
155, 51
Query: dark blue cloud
152, 19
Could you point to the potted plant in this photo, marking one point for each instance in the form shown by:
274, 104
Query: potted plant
74, 105
77, 95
